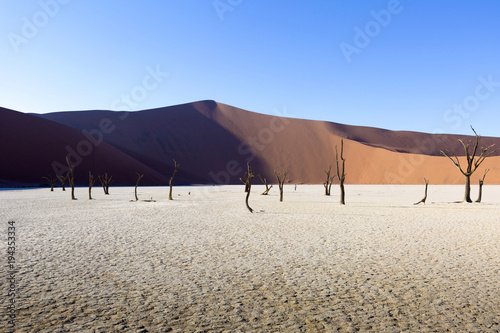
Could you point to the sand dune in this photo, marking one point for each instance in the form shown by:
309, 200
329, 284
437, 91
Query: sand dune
32, 148
213, 142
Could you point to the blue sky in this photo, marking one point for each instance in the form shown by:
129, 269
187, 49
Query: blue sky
420, 65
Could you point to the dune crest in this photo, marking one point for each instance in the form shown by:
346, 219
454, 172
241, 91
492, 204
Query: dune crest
214, 141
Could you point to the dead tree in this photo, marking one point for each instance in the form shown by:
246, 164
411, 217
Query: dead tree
171, 179
281, 180
481, 182
247, 179
268, 188
137, 184
63, 181
92, 181
329, 180
425, 196
71, 178
52, 182
341, 170
105, 182
472, 162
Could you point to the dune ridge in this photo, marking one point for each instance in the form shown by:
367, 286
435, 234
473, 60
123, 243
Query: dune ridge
214, 141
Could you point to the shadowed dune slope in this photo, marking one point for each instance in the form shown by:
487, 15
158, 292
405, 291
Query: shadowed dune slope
214, 141
32, 148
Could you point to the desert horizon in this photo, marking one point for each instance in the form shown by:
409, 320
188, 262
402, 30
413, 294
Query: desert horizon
124, 144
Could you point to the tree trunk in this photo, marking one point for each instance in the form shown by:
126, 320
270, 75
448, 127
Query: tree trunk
341, 170
342, 194
170, 193
52, 182
137, 184
71, 178
72, 183
268, 188
481, 183
105, 181
329, 180
91, 183
176, 165
425, 196
281, 181
246, 200
247, 180
467, 189
479, 198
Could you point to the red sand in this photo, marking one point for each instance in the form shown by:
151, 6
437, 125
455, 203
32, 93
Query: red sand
33, 147
213, 142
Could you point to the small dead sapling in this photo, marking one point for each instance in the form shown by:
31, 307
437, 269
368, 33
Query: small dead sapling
172, 179
247, 180
52, 181
137, 184
425, 196
281, 177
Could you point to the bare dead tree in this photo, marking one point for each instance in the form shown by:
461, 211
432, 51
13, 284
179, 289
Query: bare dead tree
105, 180
92, 181
171, 179
341, 170
472, 162
71, 178
247, 179
137, 184
281, 180
63, 181
481, 182
425, 196
268, 188
52, 181
329, 180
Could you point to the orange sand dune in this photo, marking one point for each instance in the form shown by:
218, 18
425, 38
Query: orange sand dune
213, 142
306, 147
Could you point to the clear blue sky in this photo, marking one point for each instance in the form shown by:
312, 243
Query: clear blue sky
429, 66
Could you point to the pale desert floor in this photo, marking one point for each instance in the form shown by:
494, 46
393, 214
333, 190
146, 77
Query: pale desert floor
203, 263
